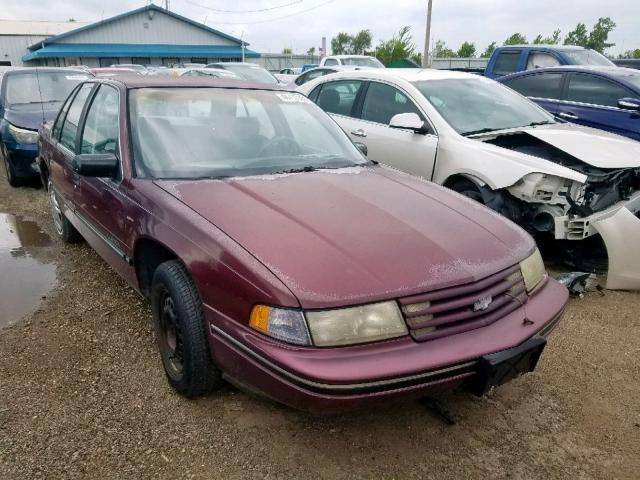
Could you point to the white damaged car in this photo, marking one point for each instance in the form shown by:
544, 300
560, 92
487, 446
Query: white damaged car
488, 142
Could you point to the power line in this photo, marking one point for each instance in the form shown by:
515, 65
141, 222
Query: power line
276, 18
268, 9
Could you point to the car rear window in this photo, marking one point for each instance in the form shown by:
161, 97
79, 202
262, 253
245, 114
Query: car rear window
540, 85
506, 63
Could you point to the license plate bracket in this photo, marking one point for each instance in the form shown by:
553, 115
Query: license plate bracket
501, 367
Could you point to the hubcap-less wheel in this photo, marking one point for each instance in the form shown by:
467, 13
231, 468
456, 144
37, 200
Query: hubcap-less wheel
171, 336
56, 212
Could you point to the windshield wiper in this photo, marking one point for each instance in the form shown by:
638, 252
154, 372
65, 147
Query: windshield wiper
307, 168
535, 124
477, 132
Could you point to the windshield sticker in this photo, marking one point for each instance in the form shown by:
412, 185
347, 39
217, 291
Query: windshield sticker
76, 77
293, 98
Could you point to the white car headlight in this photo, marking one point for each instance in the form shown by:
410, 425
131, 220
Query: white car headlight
348, 326
280, 323
23, 136
533, 270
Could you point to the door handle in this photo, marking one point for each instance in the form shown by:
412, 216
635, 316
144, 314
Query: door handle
568, 116
359, 133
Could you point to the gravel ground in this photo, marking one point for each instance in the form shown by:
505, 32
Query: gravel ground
83, 395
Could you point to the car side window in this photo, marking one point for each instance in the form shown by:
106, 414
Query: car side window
331, 62
595, 90
72, 120
540, 85
313, 96
541, 60
302, 79
506, 63
339, 97
100, 131
57, 126
383, 101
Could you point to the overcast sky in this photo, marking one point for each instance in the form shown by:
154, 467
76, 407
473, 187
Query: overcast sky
307, 21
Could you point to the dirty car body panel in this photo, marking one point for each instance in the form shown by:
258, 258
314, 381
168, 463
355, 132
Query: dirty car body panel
549, 176
312, 241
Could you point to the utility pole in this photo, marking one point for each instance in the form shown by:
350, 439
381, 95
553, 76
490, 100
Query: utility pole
425, 55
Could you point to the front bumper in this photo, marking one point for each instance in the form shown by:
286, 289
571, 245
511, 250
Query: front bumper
22, 158
334, 379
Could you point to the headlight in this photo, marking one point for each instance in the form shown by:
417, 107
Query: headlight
281, 323
533, 270
23, 136
348, 326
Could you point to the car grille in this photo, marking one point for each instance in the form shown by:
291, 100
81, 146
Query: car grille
465, 307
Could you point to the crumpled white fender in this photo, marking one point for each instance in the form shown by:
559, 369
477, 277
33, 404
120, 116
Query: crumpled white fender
621, 235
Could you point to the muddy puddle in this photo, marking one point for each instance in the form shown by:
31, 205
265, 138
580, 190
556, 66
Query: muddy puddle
27, 270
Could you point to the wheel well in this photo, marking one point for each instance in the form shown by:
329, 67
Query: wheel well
460, 182
44, 174
148, 256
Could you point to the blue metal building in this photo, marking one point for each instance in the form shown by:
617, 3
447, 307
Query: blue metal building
149, 35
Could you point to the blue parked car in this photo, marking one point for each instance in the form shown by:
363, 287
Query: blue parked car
28, 98
607, 98
517, 58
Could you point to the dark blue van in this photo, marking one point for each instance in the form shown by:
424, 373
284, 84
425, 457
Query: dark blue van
28, 98
607, 98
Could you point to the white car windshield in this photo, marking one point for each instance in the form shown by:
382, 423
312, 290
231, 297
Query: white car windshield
252, 74
41, 87
362, 62
473, 106
218, 132
587, 57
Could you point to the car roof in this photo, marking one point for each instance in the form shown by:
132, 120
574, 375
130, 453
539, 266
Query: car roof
546, 46
166, 81
47, 70
350, 56
617, 72
408, 74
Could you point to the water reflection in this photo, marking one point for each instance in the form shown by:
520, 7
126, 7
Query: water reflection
27, 270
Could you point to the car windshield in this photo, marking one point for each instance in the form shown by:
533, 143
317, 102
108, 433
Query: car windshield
183, 133
41, 87
481, 105
252, 74
587, 57
362, 62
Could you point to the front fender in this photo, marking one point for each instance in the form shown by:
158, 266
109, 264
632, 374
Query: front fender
497, 167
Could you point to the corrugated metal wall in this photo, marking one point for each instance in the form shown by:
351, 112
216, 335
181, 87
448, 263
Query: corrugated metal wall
13, 47
140, 28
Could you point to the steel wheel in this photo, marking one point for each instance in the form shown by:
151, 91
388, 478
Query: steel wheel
56, 212
171, 336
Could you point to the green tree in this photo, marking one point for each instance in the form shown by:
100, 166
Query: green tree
287, 51
600, 33
361, 42
579, 36
516, 39
552, 40
442, 51
398, 48
466, 50
341, 43
630, 54
311, 51
489, 50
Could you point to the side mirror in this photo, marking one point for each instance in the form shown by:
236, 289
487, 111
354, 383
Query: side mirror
102, 165
629, 103
409, 121
362, 147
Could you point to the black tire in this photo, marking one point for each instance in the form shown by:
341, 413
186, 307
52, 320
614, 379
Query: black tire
13, 179
63, 227
468, 189
178, 321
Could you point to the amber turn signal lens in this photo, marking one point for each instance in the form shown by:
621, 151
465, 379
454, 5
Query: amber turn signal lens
260, 318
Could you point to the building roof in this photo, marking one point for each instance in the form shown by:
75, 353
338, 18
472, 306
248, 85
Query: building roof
27, 27
149, 8
116, 50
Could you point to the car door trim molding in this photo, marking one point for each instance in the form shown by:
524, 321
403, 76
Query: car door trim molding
105, 238
579, 104
347, 388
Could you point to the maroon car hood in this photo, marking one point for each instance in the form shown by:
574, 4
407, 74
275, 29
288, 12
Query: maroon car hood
357, 235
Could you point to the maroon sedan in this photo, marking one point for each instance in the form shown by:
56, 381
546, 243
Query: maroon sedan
274, 255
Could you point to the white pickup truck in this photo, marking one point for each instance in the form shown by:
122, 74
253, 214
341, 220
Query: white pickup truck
351, 61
